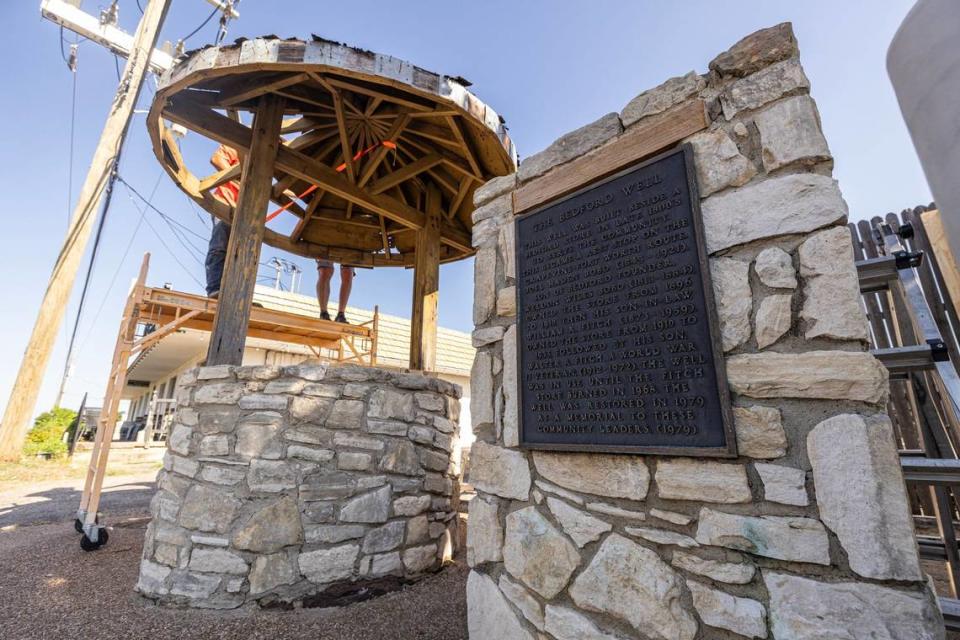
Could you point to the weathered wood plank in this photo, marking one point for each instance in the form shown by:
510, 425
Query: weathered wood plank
243, 251
642, 141
426, 285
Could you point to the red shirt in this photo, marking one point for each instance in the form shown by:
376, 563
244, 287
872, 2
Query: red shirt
227, 193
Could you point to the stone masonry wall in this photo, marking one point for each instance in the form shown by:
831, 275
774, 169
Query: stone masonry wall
807, 534
310, 483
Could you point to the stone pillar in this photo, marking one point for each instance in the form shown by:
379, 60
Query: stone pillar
312, 483
807, 534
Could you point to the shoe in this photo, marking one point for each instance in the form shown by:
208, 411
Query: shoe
324, 315
341, 318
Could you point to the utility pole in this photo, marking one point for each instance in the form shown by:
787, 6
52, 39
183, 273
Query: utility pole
23, 396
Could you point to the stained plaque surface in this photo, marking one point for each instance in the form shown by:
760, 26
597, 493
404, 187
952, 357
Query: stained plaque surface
617, 334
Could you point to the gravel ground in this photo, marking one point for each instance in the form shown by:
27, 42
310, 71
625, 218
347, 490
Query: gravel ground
49, 588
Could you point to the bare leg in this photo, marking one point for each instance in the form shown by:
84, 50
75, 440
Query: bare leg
346, 284
324, 275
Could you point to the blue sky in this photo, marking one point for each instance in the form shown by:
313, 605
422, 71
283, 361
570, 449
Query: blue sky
546, 66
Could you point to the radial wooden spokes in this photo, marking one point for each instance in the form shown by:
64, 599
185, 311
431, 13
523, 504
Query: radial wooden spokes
357, 160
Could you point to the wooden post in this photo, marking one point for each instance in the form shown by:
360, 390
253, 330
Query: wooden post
426, 285
23, 395
246, 235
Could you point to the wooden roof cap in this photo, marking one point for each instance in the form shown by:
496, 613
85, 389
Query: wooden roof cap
365, 137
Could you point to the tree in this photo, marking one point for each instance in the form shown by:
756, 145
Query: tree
46, 436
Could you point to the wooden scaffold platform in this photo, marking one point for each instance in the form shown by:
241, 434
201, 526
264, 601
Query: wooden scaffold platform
151, 314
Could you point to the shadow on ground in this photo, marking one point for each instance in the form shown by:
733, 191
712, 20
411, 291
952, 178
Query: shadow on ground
60, 504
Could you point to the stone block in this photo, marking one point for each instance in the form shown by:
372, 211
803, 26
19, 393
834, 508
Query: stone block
152, 578
499, 471
615, 511
489, 615
790, 132
292, 386
582, 527
357, 441
312, 409
369, 507
217, 372
216, 445
321, 390
271, 476
777, 206
401, 457
216, 419
507, 302
818, 375
662, 97
784, 485
227, 476
563, 493
564, 623
195, 586
545, 566
417, 530
263, 402
487, 335
673, 517
719, 162
861, 495
257, 436
760, 432
506, 247
632, 583
257, 372
571, 146
511, 385
217, 561
731, 290
484, 533
184, 466
775, 269
271, 528
783, 538
756, 51
333, 533
613, 476
386, 403
754, 91
420, 559
208, 509
411, 505
353, 461
484, 284
387, 427
385, 538
522, 600
324, 566
662, 536
271, 571
702, 480
180, 440
421, 435
310, 453
804, 609
381, 564
346, 414
494, 188
730, 572
773, 319
188, 416
430, 402
831, 305
312, 371
742, 616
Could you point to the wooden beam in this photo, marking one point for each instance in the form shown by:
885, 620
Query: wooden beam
405, 173
344, 135
229, 333
643, 140
258, 88
220, 128
18, 414
464, 143
380, 154
426, 285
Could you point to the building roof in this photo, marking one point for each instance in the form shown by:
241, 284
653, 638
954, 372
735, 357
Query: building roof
454, 349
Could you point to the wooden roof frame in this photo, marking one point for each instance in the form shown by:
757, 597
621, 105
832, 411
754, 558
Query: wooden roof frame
347, 101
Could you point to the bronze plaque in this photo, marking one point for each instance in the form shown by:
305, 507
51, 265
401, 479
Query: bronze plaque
618, 341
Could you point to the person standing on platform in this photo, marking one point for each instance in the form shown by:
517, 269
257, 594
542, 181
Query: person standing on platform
324, 276
223, 158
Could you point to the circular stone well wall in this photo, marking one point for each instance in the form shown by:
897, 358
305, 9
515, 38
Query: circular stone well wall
313, 483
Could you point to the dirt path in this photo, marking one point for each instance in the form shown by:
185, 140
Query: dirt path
25, 503
52, 589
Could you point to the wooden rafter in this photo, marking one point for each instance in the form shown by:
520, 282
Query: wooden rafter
407, 172
256, 88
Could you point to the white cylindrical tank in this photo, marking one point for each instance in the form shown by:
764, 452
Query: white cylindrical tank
924, 66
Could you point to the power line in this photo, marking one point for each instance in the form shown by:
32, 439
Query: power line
202, 24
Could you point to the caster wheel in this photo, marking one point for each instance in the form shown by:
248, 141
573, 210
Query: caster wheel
78, 525
88, 545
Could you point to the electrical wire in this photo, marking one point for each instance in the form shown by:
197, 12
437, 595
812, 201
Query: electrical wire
202, 24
